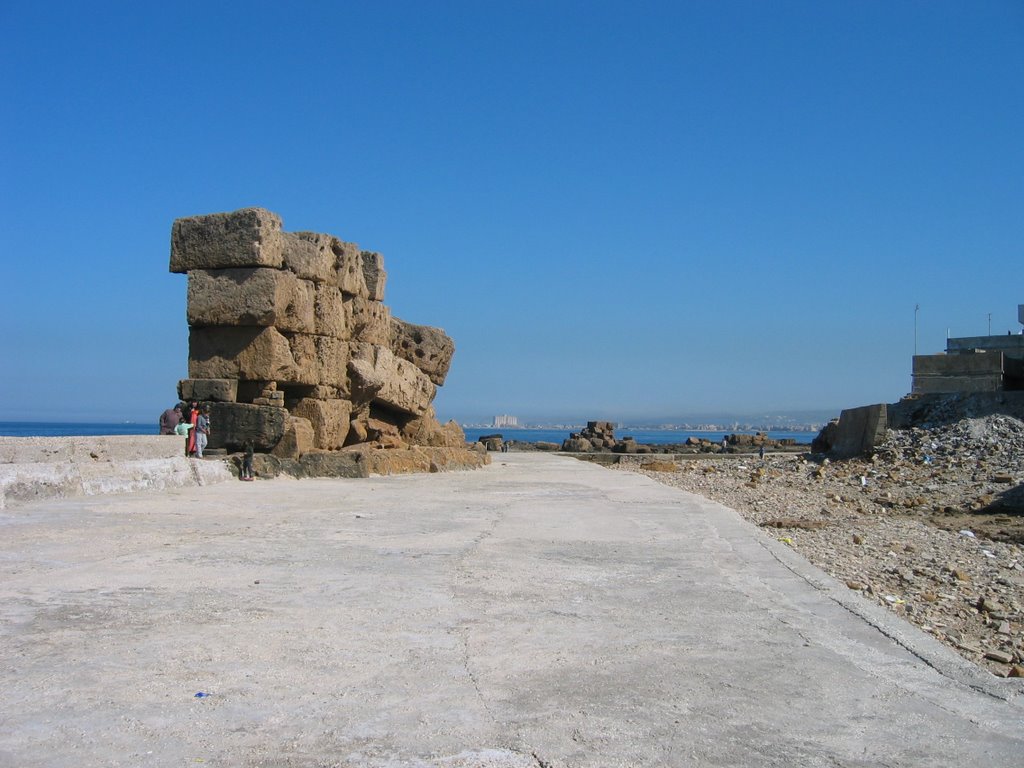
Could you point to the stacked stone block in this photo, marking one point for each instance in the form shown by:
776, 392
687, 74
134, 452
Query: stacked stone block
291, 344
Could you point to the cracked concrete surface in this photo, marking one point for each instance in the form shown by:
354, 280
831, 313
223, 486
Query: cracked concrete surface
538, 612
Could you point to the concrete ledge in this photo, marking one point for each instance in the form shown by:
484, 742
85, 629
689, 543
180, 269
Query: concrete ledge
36, 468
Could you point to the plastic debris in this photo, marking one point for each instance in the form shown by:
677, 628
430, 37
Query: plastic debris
968, 534
201, 695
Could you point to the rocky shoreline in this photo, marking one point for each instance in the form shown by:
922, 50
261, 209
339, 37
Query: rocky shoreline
931, 525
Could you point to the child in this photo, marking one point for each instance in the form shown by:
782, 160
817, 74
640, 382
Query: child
247, 461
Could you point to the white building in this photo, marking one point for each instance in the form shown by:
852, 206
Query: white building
505, 421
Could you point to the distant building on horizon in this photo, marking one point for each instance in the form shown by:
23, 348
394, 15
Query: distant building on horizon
505, 421
974, 364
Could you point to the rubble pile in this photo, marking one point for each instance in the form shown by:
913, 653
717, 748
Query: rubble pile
292, 347
596, 436
931, 525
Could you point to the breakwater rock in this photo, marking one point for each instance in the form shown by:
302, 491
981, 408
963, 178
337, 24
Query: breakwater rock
599, 437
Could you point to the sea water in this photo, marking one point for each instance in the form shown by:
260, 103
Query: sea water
650, 436
74, 429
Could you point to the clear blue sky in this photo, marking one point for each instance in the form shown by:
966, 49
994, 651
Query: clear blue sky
617, 209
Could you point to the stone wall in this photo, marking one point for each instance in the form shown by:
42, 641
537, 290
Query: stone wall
292, 346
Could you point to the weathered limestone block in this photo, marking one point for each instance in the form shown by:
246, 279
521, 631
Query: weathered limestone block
329, 316
334, 464
232, 424
209, 390
405, 387
262, 354
250, 237
374, 275
250, 297
324, 392
311, 256
298, 439
356, 432
321, 359
424, 430
368, 321
429, 349
365, 381
329, 418
420, 459
348, 270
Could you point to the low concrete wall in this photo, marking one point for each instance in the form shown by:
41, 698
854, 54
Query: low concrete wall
34, 468
860, 430
978, 372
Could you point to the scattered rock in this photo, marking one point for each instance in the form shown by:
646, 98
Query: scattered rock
1000, 657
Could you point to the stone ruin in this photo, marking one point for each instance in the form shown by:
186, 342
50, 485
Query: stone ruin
293, 349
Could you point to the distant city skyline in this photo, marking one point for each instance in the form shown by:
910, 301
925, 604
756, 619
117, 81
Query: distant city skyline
618, 211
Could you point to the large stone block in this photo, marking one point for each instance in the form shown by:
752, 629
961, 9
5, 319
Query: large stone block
298, 439
429, 349
232, 424
329, 316
208, 390
375, 276
348, 269
329, 418
425, 430
259, 354
251, 297
404, 387
321, 360
859, 430
335, 464
368, 321
250, 237
310, 256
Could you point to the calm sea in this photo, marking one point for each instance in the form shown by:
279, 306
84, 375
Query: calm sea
652, 436
73, 429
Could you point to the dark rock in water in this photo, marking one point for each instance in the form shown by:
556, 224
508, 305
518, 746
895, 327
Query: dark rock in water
577, 445
625, 445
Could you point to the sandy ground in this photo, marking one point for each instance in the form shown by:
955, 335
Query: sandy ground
539, 612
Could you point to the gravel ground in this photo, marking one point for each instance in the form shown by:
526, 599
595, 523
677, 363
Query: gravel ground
931, 526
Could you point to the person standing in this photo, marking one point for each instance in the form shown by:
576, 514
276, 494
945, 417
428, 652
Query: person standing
193, 418
202, 430
169, 419
247, 461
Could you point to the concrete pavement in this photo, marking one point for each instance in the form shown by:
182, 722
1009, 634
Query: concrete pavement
539, 612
